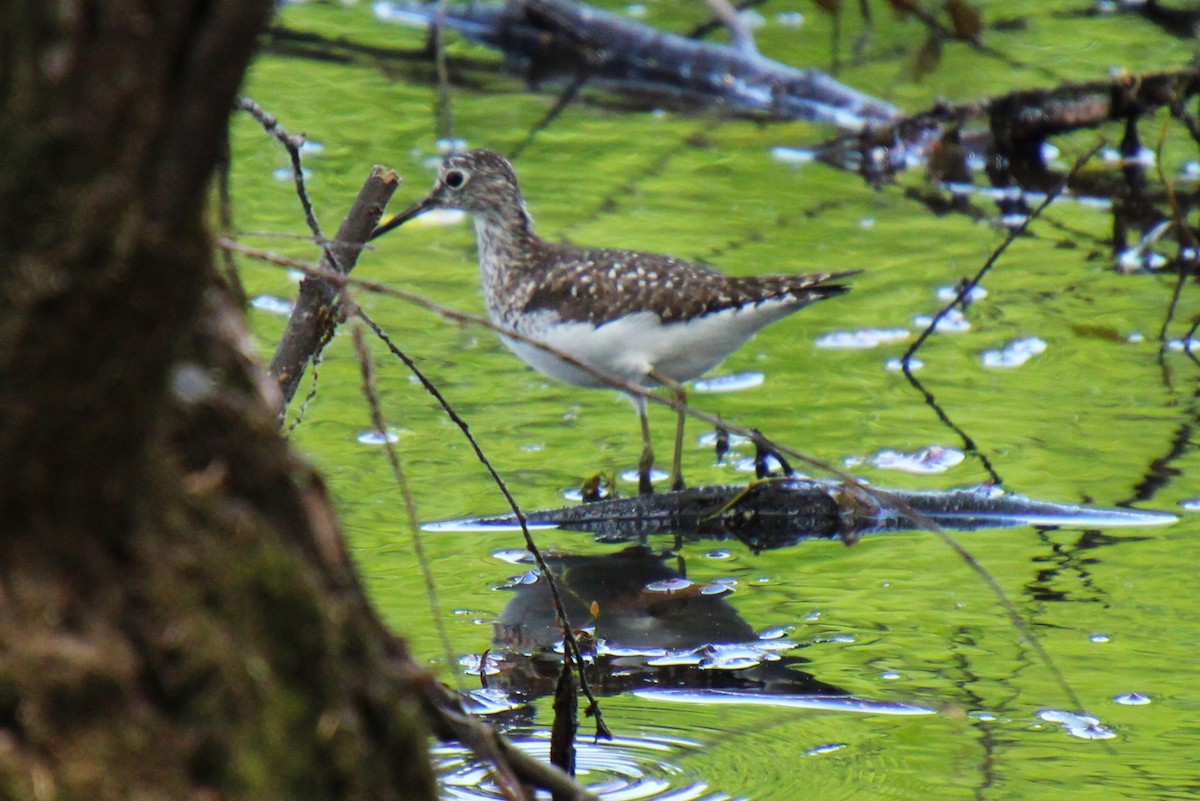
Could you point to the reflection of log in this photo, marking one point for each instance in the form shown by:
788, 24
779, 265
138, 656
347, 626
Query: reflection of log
547, 39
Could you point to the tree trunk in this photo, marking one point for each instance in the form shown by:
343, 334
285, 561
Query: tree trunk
178, 616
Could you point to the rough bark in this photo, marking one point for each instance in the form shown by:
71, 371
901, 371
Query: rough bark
178, 616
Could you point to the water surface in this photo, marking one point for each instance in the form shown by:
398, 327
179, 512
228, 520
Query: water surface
1089, 415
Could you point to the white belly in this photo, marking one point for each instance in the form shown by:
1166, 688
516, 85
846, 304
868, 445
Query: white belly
633, 346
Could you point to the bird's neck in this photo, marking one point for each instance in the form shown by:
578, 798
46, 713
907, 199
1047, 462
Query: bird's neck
507, 245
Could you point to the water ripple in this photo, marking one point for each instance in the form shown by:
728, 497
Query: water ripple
621, 769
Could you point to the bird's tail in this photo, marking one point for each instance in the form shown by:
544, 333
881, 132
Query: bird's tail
803, 288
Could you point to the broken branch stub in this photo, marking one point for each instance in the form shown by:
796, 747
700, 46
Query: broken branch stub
315, 313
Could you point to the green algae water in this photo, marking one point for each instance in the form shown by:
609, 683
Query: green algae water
1056, 376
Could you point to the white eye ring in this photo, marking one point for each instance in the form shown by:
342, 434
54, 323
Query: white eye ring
455, 178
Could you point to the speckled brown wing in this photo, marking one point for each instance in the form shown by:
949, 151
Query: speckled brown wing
598, 286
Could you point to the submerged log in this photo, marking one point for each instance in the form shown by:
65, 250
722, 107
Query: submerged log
780, 512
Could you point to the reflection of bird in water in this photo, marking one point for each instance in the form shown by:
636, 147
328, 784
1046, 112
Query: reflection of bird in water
647, 611
651, 320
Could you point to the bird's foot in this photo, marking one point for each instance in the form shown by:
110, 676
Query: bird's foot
764, 454
645, 463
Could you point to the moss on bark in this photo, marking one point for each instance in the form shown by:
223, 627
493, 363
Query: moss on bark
178, 615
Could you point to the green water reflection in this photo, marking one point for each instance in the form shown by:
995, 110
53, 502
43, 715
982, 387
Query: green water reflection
897, 618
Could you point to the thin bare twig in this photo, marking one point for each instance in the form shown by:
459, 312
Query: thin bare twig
443, 110
715, 22
292, 144
575, 654
936, 27
452, 722
1187, 341
560, 105
314, 317
959, 299
1013, 234
312, 390
367, 367
740, 36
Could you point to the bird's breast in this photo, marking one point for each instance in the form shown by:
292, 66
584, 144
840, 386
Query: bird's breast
632, 346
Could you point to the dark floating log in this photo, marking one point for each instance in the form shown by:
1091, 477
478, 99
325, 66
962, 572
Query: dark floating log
780, 512
555, 40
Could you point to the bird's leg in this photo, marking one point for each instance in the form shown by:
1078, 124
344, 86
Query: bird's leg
647, 460
679, 396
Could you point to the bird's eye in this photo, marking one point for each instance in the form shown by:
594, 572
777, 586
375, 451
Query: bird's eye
455, 179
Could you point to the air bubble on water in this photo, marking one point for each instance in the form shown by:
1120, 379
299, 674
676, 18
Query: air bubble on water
733, 382
669, 585
1015, 353
286, 174
575, 494
952, 322
524, 579
512, 556
272, 305
656, 476
1132, 699
775, 632
934, 459
1085, 727
949, 293
475, 665
374, 437
709, 440
862, 339
897, 365
793, 155
451, 145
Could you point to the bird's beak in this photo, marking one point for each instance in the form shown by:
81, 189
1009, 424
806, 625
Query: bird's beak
415, 210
